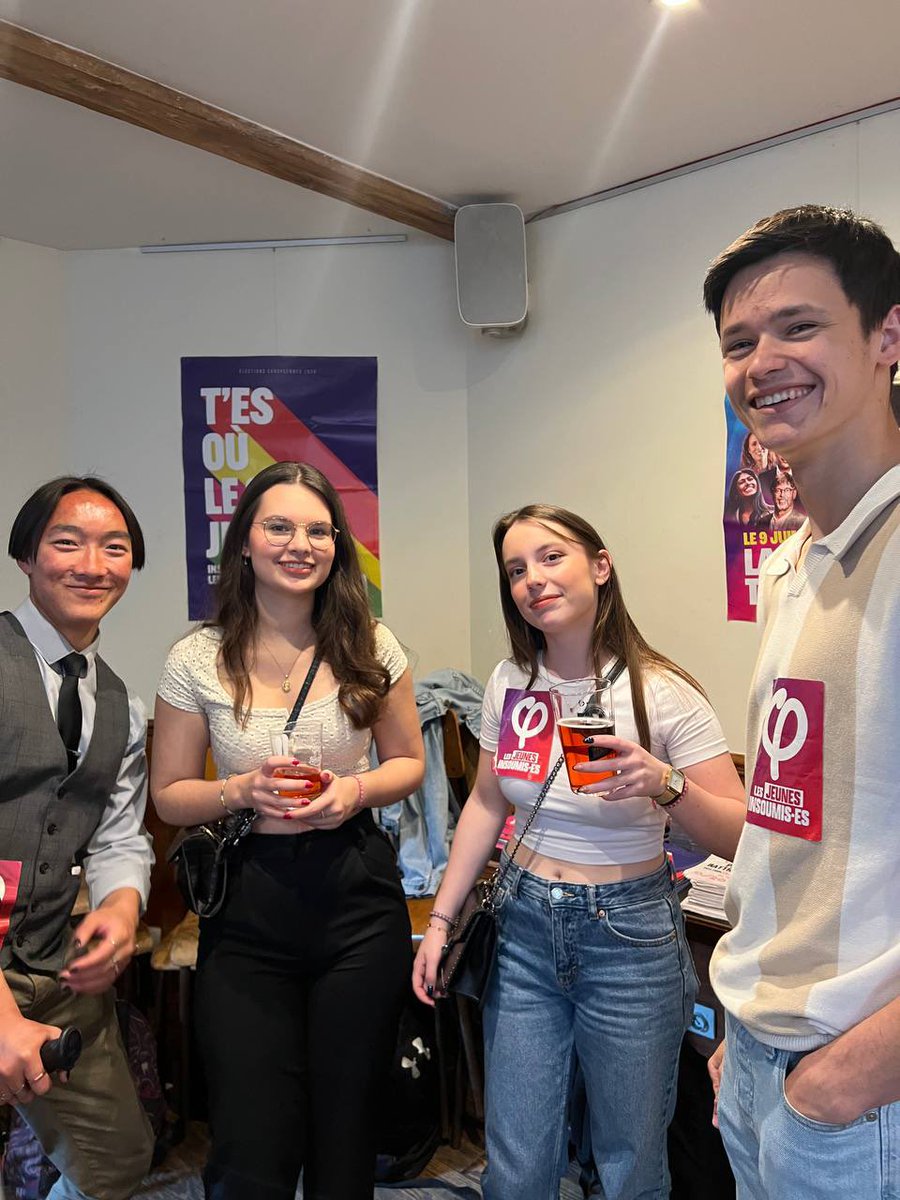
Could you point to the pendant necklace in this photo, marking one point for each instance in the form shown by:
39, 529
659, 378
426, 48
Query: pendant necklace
286, 682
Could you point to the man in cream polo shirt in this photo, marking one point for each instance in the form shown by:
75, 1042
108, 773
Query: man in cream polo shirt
807, 306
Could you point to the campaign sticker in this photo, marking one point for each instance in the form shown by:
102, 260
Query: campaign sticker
526, 736
10, 873
786, 792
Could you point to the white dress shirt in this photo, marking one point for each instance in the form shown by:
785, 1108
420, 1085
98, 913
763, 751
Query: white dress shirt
119, 853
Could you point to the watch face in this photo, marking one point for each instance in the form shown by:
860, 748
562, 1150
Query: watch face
675, 786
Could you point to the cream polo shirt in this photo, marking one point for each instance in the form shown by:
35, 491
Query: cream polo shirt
815, 947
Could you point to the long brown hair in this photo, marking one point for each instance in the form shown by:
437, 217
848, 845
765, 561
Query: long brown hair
344, 628
614, 631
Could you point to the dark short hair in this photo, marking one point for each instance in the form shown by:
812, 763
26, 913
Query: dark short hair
34, 515
861, 254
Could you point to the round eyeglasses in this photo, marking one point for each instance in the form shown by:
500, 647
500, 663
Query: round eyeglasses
280, 531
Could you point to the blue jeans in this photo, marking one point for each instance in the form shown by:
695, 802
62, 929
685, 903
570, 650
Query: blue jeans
777, 1153
604, 972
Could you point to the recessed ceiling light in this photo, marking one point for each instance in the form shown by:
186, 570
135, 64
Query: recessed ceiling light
673, 3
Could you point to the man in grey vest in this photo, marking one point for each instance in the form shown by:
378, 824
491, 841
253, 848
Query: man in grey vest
72, 795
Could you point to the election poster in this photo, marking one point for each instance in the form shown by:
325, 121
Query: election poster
762, 509
240, 415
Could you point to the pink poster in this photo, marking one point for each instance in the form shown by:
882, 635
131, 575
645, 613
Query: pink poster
762, 509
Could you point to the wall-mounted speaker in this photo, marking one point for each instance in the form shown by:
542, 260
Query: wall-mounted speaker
491, 280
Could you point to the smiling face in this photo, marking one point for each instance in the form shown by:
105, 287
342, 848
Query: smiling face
757, 453
799, 370
783, 494
552, 578
299, 567
82, 565
746, 484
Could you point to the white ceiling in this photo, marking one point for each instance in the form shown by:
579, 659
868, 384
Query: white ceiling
534, 101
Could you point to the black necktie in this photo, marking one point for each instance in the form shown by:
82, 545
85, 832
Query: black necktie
68, 713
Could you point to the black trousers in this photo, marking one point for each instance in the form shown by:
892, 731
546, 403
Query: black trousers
300, 982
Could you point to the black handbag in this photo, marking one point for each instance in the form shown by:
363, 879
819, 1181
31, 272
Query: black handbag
467, 959
200, 853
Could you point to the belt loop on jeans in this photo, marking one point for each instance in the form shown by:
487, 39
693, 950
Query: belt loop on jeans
510, 874
592, 901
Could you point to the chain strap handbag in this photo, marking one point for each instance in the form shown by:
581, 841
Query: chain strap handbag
200, 853
467, 959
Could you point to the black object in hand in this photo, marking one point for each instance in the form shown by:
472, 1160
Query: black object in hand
61, 1054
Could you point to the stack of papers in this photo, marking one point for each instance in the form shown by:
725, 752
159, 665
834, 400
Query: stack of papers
709, 879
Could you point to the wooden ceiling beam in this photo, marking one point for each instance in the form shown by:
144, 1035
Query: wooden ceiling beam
38, 62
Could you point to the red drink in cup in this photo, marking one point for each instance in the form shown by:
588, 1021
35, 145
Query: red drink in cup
583, 708
305, 745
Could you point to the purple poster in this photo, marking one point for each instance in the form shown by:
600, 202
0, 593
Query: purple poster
240, 415
762, 509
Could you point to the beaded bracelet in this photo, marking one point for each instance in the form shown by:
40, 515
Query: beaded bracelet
361, 798
672, 803
222, 793
452, 922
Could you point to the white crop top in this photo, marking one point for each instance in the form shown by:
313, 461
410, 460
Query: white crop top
190, 681
573, 827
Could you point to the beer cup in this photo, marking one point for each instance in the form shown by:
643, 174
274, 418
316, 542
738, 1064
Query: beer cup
304, 744
583, 708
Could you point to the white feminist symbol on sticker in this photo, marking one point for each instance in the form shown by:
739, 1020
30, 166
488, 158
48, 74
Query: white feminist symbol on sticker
772, 745
528, 719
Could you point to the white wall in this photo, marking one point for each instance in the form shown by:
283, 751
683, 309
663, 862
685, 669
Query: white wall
611, 402
34, 401
130, 317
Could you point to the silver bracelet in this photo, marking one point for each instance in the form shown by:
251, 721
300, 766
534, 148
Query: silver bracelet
230, 811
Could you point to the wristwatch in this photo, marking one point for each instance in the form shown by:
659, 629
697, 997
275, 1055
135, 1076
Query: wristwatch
674, 784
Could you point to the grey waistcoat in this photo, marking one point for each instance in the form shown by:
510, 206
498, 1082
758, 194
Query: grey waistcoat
47, 816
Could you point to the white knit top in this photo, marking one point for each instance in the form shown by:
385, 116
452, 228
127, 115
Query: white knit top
190, 681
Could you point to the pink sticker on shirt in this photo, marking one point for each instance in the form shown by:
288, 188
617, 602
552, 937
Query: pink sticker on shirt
526, 736
10, 873
786, 792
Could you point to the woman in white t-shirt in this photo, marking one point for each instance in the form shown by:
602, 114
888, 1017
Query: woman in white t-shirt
592, 962
302, 974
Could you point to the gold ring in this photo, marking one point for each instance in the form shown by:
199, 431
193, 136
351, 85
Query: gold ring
20, 1089
37, 1078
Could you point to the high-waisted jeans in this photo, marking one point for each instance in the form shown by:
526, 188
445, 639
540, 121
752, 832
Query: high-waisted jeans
602, 971
301, 980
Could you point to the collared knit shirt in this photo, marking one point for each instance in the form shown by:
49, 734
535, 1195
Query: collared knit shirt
815, 947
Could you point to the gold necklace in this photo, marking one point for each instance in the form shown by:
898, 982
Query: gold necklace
286, 682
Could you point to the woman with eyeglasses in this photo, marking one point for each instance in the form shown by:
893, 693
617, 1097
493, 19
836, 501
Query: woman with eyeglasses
302, 974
